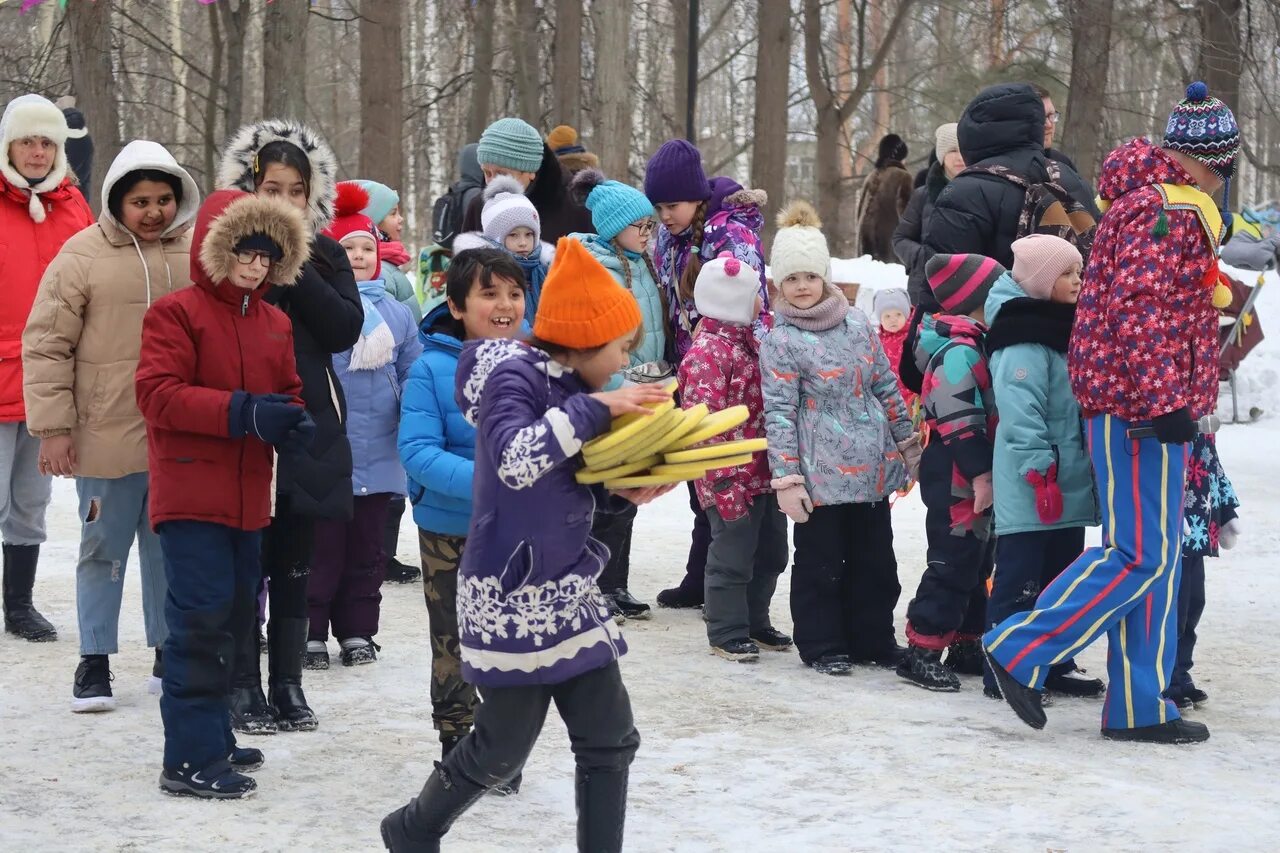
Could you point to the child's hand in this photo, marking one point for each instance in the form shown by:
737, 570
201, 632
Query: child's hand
640, 497
631, 401
982, 493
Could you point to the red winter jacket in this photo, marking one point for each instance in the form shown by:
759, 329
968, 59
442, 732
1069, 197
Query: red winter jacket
198, 346
1145, 337
26, 248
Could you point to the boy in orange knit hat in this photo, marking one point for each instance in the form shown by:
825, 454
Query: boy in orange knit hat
531, 621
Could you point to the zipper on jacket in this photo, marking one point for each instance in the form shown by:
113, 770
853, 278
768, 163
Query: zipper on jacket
244, 306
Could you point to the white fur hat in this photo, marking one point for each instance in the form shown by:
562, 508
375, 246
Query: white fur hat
33, 115
799, 245
507, 208
726, 290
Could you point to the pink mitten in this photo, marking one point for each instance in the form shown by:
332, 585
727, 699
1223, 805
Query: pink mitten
1048, 495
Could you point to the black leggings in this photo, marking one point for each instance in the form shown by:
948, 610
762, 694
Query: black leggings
286, 562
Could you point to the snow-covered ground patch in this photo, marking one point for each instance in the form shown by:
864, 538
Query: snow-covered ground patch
734, 758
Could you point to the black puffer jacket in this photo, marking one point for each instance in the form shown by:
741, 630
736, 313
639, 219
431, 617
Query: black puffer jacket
978, 213
559, 215
908, 237
1073, 183
324, 306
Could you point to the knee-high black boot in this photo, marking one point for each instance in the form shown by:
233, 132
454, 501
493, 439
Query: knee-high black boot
419, 826
20, 615
250, 713
286, 643
602, 810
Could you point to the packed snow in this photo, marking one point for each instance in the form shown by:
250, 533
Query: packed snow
734, 758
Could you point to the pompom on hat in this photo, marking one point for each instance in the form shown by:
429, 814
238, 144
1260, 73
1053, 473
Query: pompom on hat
564, 143
799, 244
1038, 261
1203, 127
613, 204
582, 306
511, 143
961, 282
349, 217
507, 208
727, 290
674, 173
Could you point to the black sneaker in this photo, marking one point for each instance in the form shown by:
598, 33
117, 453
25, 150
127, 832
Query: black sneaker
1026, 703
740, 651
679, 598
1074, 683
924, 668
964, 657
92, 690
359, 650
833, 665
772, 639
245, 759
316, 656
398, 572
218, 781
1180, 700
615, 612
630, 606
1197, 696
155, 683
1173, 732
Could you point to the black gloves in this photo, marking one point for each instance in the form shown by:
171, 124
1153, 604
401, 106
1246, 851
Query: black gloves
273, 418
1175, 427
301, 436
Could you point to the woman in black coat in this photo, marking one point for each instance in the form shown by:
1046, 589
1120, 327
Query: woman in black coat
289, 160
559, 215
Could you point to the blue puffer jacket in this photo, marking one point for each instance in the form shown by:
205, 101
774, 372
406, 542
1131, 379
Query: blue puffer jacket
1039, 422
437, 445
373, 406
653, 346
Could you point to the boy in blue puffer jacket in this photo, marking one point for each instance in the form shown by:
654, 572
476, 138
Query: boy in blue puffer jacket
485, 299
1043, 482
624, 222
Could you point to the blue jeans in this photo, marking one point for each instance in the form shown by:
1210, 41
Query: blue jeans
213, 573
112, 513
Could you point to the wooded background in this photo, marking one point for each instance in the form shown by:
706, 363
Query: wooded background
792, 94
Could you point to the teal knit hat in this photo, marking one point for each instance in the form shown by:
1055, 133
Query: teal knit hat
381, 199
512, 144
613, 205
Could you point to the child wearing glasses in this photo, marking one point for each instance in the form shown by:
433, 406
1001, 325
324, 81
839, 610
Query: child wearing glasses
624, 222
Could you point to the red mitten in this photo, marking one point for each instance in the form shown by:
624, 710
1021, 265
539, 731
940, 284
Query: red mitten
1048, 495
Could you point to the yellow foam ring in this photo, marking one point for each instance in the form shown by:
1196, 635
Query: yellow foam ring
1222, 296
698, 470
637, 444
615, 437
622, 420
589, 476
714, 424
721, 448
693, 418
653, 444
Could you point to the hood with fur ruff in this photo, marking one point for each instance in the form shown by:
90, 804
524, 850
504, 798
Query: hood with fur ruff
236, 167
227, 216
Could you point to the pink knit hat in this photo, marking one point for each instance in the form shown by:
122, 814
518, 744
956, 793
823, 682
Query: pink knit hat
1038, 260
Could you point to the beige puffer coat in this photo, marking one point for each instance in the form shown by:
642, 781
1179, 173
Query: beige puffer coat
80, 347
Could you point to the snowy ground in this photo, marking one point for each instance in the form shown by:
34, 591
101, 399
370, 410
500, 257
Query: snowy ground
735, 758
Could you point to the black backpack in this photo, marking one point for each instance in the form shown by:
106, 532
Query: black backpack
448, 212
1047, 208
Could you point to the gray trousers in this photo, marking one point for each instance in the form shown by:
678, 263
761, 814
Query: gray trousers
26, 492
743, 563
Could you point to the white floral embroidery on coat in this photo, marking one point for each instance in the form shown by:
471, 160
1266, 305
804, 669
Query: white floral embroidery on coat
525, 459
488, 356
540, 611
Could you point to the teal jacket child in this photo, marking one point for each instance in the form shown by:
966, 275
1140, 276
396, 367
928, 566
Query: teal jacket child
1039, 441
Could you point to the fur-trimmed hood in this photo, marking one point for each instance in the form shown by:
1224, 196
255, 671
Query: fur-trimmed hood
229, 215
235, 171
34, 115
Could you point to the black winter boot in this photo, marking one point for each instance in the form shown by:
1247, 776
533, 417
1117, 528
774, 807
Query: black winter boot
1177, 731
924, 668
419, 826
602, 810
20, 615
250, 713
287, 641
1026, 702
964, 657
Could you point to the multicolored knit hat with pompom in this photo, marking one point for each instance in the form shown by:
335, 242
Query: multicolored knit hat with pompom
1203, 127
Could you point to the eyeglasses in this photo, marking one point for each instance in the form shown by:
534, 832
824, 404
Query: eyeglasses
1053, 117
645, 228
248, 258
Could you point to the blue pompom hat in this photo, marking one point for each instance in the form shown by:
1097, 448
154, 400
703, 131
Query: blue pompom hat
613, 205
1203, 127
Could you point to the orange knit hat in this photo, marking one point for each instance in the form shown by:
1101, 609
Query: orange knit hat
582, 306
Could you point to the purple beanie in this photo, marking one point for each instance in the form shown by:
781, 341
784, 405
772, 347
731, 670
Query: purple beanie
675, 174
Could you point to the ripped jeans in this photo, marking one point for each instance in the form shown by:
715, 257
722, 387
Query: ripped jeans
112, 513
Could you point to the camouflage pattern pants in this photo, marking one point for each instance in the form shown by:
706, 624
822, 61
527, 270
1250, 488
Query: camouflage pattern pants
453, 701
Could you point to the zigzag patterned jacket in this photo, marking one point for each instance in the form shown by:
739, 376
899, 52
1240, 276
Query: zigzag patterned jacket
529, 610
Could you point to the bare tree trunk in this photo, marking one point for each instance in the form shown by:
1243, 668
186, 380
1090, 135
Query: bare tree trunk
1084, 130
612, 102
234, 21
568, 63
995, 45
1221, 54
680, 66
524, 49
381, 93
284, 51
178, 68
92, 82
211, 103
769, 153
482, 14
